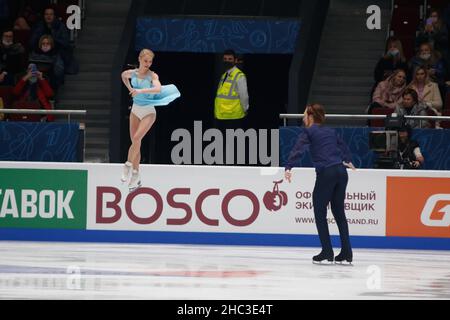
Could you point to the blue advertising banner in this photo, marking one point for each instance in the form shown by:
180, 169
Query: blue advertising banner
38, 141
216, 35
433, 143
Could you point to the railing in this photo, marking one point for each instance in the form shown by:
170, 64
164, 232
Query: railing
286, 116
45, 112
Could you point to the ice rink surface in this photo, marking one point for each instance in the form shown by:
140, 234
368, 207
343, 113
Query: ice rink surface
38, 270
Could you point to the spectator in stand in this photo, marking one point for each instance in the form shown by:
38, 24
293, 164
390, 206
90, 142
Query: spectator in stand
11, 58
427, 90
28, 14
33, 90
46, 54
410, 105
392, 60
431, 59
57, 29
389, 91
435, 32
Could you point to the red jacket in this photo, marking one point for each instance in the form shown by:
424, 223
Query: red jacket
44, 92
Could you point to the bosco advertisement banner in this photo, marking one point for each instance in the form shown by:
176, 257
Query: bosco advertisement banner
216, 200
227, 199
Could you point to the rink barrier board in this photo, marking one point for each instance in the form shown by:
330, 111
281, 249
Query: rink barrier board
397, 209
230, 239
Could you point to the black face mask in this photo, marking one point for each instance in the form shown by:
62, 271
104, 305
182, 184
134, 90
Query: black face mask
227, 65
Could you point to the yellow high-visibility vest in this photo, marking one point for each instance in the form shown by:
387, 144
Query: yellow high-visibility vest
227, 104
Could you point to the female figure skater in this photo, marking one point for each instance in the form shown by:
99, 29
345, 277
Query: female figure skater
147, 92
330, 156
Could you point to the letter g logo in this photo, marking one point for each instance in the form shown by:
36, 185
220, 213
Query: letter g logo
427, 211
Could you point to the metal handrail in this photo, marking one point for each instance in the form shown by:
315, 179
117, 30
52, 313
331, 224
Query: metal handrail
286, 116
45, 112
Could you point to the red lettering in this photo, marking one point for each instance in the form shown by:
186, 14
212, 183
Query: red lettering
244, 193
110, 205
179, 205
155, 216
198, 206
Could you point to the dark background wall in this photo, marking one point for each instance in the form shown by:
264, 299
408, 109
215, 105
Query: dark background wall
197, 75
273, 79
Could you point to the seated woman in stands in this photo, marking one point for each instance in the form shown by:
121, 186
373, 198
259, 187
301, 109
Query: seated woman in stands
434, 31
431, 59
47, 57
392, 60
388, 92
427, 90
33, 91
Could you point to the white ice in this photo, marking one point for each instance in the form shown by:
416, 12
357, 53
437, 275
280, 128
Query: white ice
38, 270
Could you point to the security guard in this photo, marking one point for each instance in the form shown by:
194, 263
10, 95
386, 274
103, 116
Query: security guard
231, 103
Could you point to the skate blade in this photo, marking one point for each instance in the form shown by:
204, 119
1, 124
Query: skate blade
135, 188
324, 263
344, 263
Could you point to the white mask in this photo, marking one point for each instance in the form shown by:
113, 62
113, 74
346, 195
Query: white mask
394, 52
46, 48
7, 43
425, 56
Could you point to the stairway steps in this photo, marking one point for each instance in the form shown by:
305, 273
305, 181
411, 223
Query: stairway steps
91, 88
92, 67
350, 63
88, 86
90, 76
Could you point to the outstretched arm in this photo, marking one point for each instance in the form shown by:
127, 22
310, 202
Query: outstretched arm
300, 146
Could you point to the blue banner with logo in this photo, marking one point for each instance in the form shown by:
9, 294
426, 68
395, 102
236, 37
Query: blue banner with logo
433, 143
38, 141
216, 35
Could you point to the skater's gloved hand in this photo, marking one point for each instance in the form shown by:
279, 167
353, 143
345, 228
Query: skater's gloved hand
288, 175
349, 165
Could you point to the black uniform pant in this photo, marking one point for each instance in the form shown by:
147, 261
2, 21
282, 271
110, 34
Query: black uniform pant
330, 187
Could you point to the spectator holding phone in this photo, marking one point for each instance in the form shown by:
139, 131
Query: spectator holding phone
435, 32
33, 90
